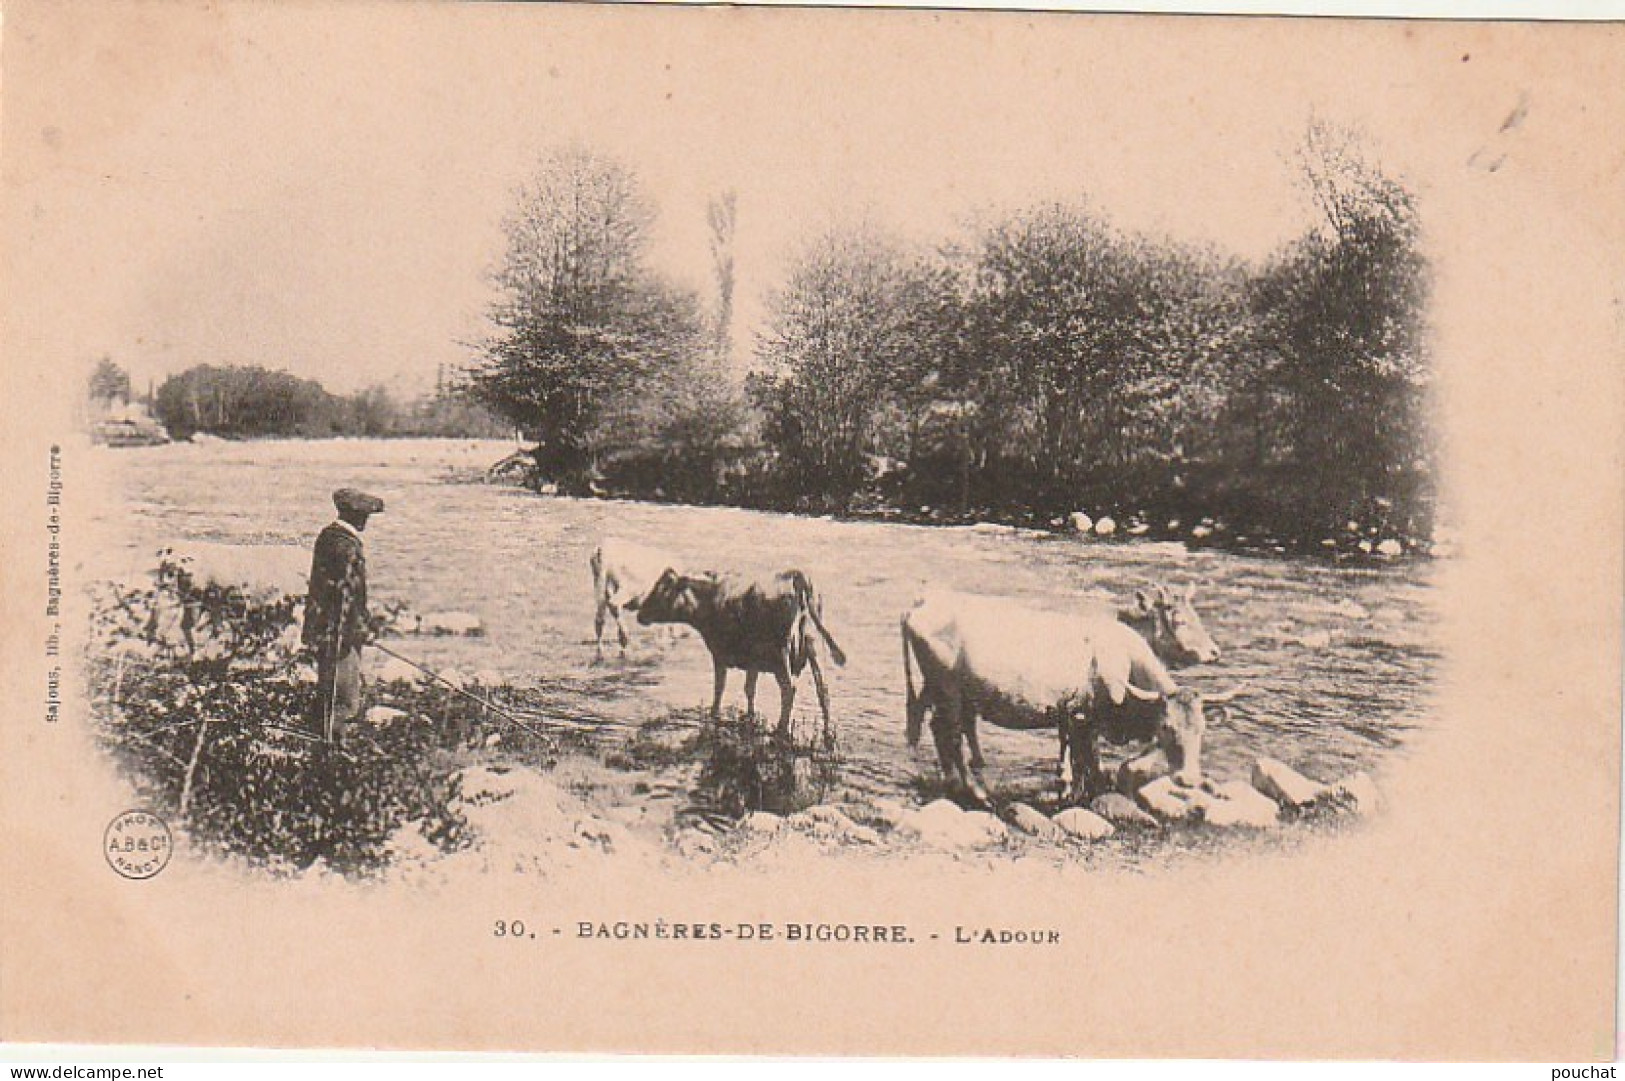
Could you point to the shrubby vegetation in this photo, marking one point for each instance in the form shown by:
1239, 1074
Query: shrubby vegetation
607, 364
198, 693
746, 766
1039, 361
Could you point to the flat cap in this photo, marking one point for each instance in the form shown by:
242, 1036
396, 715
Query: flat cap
357, 501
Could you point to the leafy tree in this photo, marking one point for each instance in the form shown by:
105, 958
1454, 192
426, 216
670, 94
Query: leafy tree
1056, 336
582, 322
1345, 356
109, 383
254, 402
849, 331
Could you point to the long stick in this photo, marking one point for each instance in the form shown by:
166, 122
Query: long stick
330, 722
191, 767
487, 703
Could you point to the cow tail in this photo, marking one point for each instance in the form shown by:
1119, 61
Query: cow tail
597, 565
809, 604
916, 712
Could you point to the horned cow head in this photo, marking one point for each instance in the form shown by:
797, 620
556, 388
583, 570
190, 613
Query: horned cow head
670, 600
1177, 633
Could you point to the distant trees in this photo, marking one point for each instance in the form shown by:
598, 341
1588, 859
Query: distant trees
109, 383
252, 402
244, 401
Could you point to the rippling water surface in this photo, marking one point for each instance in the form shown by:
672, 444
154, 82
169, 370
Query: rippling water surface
1339, 661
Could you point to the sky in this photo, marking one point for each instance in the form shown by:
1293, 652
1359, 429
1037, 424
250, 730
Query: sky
321, 188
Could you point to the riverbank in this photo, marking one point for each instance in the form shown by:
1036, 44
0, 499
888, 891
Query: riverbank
1340, 661
1350, 542
209, 722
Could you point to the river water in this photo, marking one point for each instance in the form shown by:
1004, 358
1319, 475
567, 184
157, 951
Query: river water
1338, 662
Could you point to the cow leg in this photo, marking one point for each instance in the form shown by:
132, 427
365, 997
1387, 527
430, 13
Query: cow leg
1087, 778
620, 628
977, 762
967, 726
974, 781
1070, 776
946, 731
820, 686
1063, 760
598, 633
750, 692
719, 680
787, 699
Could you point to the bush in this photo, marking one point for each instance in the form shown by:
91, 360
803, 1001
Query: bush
746, 766
201, 698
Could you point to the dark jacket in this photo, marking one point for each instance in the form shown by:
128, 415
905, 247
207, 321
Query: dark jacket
336, 619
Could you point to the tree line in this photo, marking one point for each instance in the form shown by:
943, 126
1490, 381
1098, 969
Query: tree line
249, 401
1036, 362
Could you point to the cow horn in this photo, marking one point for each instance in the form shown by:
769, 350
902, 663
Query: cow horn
1223, 697
1144, 696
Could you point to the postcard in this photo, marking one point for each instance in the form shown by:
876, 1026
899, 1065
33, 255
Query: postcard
595, 528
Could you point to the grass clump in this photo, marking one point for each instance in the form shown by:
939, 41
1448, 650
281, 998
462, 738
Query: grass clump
747, 765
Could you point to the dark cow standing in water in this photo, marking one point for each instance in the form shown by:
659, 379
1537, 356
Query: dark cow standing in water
990, 658
757, 625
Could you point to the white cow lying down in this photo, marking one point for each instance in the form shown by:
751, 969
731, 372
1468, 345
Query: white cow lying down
623, 573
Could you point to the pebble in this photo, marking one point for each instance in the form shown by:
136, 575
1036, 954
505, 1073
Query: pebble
861, 835
1030, 820
1120, 810
1169, 802
1084, 824
1282, 783
1237, 803
1358, 793
762, 822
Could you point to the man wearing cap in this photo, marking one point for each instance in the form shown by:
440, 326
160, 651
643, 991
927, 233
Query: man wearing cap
337, 624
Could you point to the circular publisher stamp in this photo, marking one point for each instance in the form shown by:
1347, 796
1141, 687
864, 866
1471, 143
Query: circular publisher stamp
138, 844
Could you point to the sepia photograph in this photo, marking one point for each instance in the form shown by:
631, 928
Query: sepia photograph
1166, 469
